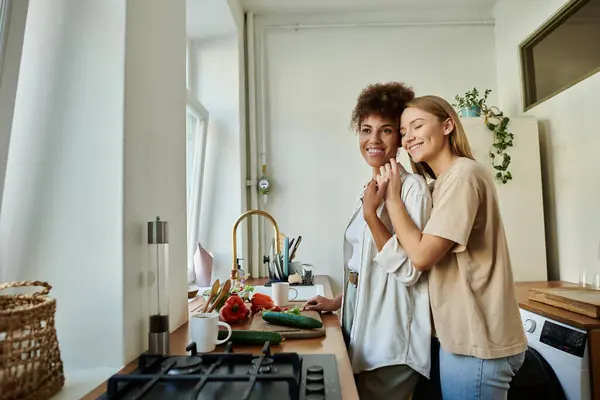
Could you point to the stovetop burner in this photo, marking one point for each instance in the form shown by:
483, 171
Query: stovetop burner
182, 365
229, 375
264, 365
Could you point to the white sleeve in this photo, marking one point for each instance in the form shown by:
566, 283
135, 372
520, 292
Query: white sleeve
392, 258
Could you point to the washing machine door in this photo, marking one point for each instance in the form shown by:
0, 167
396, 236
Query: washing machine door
535, 380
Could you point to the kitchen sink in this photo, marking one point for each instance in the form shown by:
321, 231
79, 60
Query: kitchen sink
304, 292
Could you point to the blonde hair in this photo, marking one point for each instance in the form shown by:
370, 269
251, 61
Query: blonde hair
459, 144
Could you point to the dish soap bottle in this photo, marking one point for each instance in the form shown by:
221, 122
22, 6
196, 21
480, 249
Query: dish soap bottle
242, 276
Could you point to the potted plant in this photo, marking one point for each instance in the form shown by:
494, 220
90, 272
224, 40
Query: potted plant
470, 105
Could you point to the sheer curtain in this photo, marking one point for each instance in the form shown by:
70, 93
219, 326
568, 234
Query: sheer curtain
13, 15
4, 130
197, 128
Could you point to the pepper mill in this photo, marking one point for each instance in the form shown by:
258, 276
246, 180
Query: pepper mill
158, 287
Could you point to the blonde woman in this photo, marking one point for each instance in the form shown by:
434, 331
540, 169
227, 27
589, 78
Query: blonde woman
474, 308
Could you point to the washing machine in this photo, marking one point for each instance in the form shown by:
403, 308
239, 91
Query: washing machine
556, 365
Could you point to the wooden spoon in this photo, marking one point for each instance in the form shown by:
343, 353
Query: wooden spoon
213, 293
223, 293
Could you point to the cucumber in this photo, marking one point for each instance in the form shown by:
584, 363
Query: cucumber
251, 337
293, 320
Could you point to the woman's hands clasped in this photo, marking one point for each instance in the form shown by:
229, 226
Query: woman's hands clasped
373, 196
386, 186
390, 175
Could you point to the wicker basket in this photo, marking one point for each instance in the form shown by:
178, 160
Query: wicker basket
30, 364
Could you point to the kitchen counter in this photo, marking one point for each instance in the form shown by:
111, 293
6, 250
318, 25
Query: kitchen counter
591, 325
332, 343
558, 314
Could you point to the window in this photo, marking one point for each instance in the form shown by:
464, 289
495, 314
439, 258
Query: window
197, 128
5, 109
188, 84
561, 53
196, 139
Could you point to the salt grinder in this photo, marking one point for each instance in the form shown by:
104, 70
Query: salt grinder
158, 286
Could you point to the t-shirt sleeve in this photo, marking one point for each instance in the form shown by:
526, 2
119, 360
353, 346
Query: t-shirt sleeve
454, 211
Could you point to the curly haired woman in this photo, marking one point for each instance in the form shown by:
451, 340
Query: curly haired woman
385, 300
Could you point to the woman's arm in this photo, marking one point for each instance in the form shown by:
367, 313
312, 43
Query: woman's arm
372, 199
323, 304
393, 259
451, 220
423, 250
379, 231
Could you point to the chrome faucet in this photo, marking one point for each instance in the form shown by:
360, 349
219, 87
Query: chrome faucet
234, 267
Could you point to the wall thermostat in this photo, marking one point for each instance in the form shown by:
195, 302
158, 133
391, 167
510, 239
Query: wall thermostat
264, 185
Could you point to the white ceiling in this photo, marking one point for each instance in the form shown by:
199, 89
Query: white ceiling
310, 6
209, 19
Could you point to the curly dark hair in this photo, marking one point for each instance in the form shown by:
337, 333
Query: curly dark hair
386, 100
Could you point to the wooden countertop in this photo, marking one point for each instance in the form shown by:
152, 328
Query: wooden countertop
558, 314
332, 343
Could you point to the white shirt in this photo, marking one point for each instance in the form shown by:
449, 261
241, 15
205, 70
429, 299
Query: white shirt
391, 322
354, 235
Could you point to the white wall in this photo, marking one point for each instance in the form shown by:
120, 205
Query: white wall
210, 19
510, 32
239, 18
217, 82
62, 209
314, 76
97, 150
154, 155
568, 143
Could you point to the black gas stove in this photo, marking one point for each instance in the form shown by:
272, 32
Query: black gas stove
229, 375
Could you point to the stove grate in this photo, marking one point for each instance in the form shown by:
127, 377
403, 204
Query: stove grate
153, 369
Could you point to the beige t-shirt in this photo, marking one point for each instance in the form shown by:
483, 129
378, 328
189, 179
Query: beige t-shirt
472, 294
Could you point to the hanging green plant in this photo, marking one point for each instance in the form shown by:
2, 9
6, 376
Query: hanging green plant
472, 105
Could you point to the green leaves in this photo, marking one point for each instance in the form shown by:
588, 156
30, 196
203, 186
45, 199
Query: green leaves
497, 123
295, 311
471, 99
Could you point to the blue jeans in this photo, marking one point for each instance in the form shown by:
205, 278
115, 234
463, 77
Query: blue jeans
471, 378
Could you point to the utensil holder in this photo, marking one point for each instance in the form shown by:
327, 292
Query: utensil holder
31, 367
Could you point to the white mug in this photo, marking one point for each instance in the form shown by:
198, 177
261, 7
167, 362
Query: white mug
204, 330
281, 293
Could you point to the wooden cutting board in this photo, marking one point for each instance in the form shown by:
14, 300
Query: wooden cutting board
258, 324
579, 300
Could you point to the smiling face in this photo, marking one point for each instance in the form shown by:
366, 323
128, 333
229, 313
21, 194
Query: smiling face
379, 140
424, 136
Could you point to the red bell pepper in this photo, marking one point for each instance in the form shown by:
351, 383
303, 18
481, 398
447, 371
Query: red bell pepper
261, 301
261, 298
234, 310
